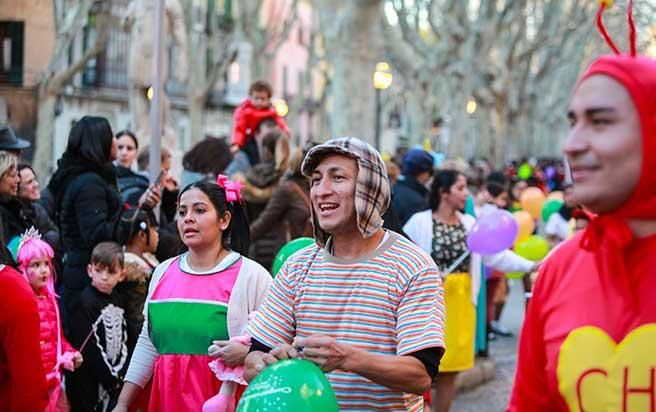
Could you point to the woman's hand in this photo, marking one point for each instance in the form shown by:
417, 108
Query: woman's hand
151, 197
232, 353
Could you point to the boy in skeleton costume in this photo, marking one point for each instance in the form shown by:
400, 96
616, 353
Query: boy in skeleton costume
99, 331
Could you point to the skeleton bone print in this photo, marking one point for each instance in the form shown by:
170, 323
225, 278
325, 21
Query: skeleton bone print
115, 349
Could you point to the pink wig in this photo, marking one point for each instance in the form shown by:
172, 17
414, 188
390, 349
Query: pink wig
35, 248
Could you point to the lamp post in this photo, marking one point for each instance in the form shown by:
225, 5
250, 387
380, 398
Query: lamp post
382, 80
471, 109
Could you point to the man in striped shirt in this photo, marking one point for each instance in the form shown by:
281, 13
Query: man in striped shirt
364, 304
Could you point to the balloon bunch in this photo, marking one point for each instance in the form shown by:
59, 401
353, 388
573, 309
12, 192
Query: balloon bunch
501, 230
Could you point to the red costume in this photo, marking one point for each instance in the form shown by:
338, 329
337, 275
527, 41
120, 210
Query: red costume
589, 336
246, 119
22, 379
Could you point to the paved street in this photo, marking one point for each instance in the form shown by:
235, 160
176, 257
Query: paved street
494, 395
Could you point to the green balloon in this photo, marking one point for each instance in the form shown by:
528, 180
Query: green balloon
288, 250
289, 385
525, 171
533, 248
550, 207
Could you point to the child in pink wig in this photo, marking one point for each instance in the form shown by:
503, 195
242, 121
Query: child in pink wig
34, 257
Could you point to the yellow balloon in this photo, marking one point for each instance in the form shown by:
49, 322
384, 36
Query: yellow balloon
558, 195
532, 200
525, 223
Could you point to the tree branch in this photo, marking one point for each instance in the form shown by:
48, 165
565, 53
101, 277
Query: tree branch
59, 79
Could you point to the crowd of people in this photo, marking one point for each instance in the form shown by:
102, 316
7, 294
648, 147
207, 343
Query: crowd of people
391, 301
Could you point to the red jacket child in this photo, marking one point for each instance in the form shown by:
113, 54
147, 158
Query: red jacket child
51, 338
246, 118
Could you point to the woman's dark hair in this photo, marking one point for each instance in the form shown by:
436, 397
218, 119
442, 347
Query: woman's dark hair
138, 220
495, 188
91, 139
23, 165
210, 156
442, 183
128, 133
237, 236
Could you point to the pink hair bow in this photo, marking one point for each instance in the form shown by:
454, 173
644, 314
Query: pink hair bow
232, 189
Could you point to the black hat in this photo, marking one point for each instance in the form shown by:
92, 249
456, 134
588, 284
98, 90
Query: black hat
9, 140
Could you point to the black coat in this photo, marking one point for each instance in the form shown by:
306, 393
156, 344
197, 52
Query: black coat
89, 213
15, 220
409, 197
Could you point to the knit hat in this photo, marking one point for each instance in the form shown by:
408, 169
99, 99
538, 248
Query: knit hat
417, 161
608, 234
372, 189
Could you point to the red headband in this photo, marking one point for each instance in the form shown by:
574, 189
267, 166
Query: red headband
608, 234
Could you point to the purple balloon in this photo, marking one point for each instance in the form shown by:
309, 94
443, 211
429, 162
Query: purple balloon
493, 232
550, 172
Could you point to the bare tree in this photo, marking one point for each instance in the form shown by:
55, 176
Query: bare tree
265, 25
70, 19
509, 57
210, 53
351, 34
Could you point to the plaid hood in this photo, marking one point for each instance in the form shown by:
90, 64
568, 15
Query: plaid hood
372, 189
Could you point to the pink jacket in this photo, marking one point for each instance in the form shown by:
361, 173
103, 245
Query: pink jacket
51, 337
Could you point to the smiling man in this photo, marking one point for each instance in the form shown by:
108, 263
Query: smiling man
364, 304
589, 333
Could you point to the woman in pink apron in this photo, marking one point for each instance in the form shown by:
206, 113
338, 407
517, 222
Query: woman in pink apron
202, 296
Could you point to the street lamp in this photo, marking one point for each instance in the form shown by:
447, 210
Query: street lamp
471, 106
382, 80
281, 107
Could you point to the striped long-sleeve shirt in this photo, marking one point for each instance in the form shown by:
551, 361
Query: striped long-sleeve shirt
389, 303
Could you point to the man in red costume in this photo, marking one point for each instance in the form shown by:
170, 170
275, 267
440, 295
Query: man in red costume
589, 337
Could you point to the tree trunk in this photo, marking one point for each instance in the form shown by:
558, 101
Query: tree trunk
196, 107
45, 133
354, 51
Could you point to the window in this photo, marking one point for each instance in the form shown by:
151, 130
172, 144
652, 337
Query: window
11, 52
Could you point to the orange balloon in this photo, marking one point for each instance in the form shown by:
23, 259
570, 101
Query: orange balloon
532, 200
557, 194
525, 223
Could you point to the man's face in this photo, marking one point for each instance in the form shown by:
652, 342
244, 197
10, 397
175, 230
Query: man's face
604, 146
333, 194
260, 99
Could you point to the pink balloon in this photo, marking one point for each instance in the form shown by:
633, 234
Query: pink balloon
493, 232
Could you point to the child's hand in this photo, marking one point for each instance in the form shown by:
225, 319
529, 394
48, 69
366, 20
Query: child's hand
234, 149
231, 352
77, 360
